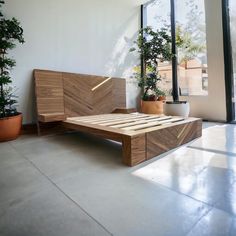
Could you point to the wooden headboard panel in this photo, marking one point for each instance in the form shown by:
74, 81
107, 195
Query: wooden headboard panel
49, 92
78, 94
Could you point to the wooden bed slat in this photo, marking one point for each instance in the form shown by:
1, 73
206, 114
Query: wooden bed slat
132, 125
107, 119
112, 119
98, 128
128, 120
99, 118
139, 122
152, 124
119, 119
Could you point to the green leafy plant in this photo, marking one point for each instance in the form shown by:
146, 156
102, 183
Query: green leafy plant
161, 93
153, 47
187, 48
10, 33
149, 85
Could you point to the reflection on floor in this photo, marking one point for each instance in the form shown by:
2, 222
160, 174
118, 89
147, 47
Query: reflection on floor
74, 184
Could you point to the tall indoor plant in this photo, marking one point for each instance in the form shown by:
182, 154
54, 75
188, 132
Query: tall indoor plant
10, 120
153, 47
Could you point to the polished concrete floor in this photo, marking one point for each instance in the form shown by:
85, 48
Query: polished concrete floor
74, 184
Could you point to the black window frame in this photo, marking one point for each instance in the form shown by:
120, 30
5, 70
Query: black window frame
228, 63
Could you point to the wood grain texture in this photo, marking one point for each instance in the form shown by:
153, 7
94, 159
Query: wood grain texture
107, 133
134, 149
119, 93
165, 139
81, 97
51, 117
129, 124
156, 135
90, 95
77, 94
49, 92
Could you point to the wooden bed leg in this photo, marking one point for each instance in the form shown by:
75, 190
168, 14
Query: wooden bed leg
134, 149
38, 128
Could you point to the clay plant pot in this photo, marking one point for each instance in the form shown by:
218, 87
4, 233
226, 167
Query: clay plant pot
161, 98
10, 127
152, 107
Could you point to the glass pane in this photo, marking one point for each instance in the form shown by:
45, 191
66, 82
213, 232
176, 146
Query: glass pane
192, 57
157, 15
232, 9
191, 42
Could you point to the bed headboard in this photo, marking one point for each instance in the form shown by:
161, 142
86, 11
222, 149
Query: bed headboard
78, 94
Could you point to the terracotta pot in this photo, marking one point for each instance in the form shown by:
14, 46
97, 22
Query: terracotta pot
10, 127
161, 98
152, 107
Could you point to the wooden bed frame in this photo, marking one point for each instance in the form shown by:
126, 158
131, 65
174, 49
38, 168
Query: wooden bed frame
79, 102
142, 136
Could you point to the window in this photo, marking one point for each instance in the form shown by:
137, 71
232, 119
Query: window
190, 40
232, 14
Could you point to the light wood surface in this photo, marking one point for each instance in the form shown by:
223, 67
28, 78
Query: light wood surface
128, 121
142, 136
134, 149
81, 102
119, 93
160, 141
49, 92
78, 94
51, 117
60, 95
89, 95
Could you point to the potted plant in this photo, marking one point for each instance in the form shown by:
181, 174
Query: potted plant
153, 47
10, 120
152, 97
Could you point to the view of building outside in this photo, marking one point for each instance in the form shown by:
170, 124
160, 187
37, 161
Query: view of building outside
232, 8
192, 57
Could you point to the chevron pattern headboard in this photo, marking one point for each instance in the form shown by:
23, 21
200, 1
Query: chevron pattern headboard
78, 94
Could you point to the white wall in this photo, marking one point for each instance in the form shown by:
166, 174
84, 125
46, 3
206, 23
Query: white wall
81, 36
213, 106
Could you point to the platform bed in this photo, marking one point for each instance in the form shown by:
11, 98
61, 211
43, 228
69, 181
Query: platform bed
75, 100
142, 136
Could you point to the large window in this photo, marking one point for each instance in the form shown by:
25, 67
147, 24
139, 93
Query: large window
232, 10
190, 30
